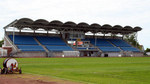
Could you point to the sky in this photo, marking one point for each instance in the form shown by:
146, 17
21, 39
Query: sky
113, 12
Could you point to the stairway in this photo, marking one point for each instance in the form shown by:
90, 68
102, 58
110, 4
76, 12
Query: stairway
115, 45
69, 45
11, 43
96, 47
41, 44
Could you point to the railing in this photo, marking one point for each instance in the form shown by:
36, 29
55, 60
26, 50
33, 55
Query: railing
50, 54
12, 54
71, 53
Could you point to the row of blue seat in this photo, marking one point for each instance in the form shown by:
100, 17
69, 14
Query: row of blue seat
100, 42
130, 49
30, 48
54, 43
115, 49
107, 42
23, 40
119, 43
45, 40
109, 49
84, 48
39, 48
27, 43
29, 40
106, 45
59, 48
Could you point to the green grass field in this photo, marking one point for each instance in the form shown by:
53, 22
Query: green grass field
129, 70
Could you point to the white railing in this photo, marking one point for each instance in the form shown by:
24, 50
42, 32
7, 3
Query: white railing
71, 54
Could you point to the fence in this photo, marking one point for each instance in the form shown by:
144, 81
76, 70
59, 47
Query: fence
3, 52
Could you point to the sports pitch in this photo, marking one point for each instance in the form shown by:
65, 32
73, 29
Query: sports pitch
126, 70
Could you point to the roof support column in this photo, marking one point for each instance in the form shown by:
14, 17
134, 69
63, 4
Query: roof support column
5, 31
104, 35
19, 30
122, 36
13, 35
95, 38
136, 35
61, 35
34, 31
112, 35
47, 32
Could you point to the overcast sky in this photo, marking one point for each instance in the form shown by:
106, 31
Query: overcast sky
113, 12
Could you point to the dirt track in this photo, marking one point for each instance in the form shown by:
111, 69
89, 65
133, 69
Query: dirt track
31, 79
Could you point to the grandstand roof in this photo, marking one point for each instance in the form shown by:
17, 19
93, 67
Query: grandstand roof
67, 26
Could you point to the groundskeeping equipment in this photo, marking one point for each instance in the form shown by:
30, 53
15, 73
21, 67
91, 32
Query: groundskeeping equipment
10, 65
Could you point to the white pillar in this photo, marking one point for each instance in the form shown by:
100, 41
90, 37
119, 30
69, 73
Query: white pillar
95, 39
13, 36
136, 39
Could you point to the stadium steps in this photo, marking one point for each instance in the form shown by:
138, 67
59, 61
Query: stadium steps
11, 43
124, 46
74, 48
115, 46
69, 45
111, 43
131, 45
41, 44
96, 47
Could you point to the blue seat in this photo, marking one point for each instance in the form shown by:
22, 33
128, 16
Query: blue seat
45, 40
119, 43
84, 48
109, 49
59, 48
104, 45
91, 48
130, 49
30, 48
101, 42
23, 40
54, 43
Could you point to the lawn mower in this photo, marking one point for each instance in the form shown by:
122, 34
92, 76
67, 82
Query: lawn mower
10, 65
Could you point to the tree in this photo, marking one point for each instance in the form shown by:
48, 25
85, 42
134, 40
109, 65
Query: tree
132, 40
147, 50
1, 43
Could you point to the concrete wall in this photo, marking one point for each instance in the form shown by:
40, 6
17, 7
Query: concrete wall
111, 54
30, 54
118, 54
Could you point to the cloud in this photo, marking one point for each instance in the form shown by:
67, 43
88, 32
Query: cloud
122, 12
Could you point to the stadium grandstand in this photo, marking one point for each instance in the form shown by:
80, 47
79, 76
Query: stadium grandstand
41, 38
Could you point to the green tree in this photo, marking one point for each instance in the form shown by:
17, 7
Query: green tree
132, 40
1, 43
147, 50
